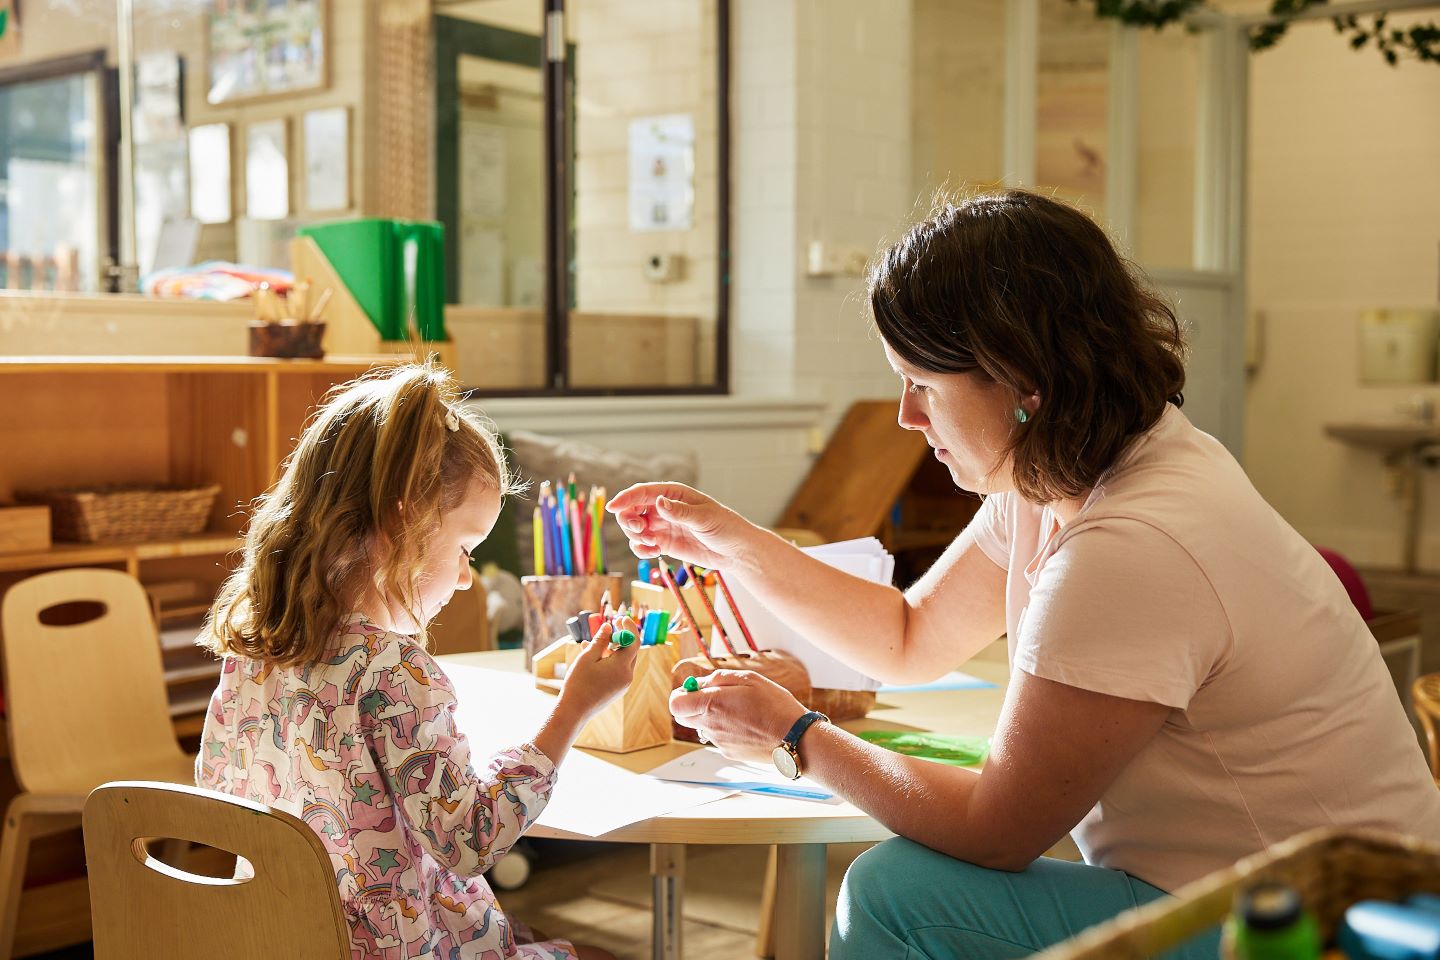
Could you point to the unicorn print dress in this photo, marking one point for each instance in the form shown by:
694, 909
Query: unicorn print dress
363, 748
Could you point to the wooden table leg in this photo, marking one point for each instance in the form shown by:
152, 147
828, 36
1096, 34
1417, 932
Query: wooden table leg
800, 902
667, 877
765, 936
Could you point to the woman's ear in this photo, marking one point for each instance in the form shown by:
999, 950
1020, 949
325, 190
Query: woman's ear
1030, 404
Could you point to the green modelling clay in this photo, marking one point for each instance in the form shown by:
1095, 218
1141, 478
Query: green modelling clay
691, 684
623, 638
942, 748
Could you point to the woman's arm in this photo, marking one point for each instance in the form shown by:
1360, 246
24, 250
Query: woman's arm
948, 616
1056, 750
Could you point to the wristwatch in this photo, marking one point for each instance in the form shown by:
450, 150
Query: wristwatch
787, 755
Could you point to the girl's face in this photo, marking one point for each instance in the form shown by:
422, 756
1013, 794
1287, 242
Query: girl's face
447, 567
967, 418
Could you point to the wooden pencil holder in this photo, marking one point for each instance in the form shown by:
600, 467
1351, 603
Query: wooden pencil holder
656, 597
550, 601
640, 717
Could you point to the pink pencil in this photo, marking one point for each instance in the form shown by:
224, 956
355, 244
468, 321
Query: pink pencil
579, 552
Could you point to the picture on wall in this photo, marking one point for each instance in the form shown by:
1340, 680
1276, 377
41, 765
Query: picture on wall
327, 159
260, 48
267, 170
210, 173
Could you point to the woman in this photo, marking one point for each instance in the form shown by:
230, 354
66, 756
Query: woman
1189, 681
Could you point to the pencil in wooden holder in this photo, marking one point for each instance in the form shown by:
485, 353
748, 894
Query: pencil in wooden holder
710, 609
669, 579
735, 609
551, 601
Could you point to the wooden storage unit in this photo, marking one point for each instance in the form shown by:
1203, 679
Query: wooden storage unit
70, 421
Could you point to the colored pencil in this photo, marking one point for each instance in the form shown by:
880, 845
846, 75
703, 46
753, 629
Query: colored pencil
537, 529
730, 600
684, 609
699, 582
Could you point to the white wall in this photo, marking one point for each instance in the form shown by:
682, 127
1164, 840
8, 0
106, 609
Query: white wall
1344, 215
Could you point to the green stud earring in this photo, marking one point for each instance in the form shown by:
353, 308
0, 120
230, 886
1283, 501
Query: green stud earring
1020, 415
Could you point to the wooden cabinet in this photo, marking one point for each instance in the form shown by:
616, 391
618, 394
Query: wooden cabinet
81, 421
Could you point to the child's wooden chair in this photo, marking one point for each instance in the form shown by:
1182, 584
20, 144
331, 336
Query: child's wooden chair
85, 704
286, 903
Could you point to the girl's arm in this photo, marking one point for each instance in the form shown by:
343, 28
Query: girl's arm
468, 820
949, 615
465, 818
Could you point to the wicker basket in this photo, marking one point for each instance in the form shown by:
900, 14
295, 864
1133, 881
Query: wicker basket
126, 513
1330, 869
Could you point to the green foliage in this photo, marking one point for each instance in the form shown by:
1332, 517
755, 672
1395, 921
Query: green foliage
1421, 42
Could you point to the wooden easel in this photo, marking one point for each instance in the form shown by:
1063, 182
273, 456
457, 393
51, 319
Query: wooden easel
348, 330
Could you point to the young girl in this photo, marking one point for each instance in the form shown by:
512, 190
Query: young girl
328, 705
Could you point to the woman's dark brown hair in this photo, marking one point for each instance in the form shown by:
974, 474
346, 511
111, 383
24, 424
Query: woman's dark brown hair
1030, 292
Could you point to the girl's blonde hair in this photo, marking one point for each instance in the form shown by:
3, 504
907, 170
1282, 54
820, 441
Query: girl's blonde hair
353, 513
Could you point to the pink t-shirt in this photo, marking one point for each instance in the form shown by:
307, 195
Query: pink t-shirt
1178, 584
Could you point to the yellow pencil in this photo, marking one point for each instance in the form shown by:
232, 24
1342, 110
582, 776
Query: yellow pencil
539, 529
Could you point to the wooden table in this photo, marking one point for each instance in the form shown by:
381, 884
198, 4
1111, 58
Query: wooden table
800, 830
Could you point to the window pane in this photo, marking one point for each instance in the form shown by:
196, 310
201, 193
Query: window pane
1070, 108
49, 181
958, 96
646, 188
1165, 166
494, 122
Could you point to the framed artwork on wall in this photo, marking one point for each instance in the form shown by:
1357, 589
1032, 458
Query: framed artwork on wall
264, 48
210, 173
267, 170
326, 138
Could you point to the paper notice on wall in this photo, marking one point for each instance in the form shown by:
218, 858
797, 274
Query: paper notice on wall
482, 171
866, 559
662, 173
482, 266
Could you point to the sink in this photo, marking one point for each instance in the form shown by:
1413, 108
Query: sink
1386, 437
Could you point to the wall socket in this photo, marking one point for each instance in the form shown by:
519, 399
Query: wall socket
824, 259
664, 267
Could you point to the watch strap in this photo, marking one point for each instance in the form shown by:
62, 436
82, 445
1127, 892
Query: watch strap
801, 725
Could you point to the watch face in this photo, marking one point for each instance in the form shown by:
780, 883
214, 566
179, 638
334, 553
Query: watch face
785, 763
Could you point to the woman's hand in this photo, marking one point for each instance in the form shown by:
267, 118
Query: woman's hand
744, 714
678, 521
600, 674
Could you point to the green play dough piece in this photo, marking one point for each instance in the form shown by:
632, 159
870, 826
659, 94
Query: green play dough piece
623, 638
940, 747
691, 684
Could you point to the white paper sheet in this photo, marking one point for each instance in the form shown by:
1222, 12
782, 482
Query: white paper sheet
864, 558
592, 797
710, 766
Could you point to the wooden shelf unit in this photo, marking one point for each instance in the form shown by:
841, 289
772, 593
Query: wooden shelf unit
76, 421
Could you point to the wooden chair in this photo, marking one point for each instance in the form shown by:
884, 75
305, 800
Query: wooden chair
86, 704
286, 901
1425, 698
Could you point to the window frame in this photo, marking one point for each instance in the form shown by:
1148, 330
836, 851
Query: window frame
454, 37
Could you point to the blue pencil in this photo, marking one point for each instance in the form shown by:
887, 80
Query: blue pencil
565, 551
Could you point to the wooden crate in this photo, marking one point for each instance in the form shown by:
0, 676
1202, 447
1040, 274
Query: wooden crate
24, 528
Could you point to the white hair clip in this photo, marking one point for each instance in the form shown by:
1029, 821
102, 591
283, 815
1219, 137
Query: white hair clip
452, 419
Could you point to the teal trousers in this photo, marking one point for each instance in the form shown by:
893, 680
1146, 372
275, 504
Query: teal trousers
903, 900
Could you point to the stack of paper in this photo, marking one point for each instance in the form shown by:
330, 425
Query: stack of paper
865, 558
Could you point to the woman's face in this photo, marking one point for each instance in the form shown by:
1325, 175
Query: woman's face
967, 418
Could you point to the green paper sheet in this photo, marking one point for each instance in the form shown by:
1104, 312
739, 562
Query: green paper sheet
940, 747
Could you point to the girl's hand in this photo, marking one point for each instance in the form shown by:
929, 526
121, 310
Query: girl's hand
744, 714
599, 675
678, 521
